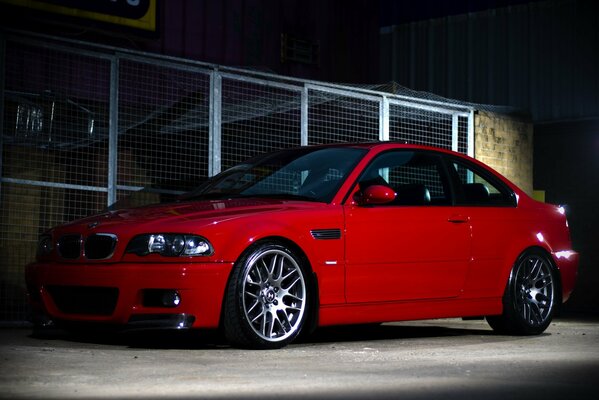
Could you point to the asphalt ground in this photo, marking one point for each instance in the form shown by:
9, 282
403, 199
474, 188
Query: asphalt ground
448, 359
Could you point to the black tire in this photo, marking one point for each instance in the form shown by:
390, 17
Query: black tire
267, 299
530, 297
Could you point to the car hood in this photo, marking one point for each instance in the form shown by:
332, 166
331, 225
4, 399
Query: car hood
197, 213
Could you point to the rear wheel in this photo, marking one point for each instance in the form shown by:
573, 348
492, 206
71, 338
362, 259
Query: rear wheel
530, 297
267, 298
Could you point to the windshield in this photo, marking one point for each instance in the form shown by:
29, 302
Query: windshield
312, 174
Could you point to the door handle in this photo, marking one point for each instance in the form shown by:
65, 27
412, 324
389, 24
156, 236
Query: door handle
458, 219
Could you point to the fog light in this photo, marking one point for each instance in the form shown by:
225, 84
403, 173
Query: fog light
168, 298
171, 298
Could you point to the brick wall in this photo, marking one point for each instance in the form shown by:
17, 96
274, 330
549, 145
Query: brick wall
505, 144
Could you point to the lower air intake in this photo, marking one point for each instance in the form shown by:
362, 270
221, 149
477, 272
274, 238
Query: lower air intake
85, 300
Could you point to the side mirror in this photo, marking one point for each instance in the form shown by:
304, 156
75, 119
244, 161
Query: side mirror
375, 194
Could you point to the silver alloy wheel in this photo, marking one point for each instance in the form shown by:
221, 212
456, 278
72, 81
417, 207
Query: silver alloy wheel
274, 295
534, 290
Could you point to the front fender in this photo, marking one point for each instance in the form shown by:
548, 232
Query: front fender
326, 257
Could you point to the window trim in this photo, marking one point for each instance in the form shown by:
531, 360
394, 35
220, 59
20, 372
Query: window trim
443, 175
455, 182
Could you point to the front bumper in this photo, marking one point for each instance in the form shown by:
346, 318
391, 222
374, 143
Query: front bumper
160, 321
118, 293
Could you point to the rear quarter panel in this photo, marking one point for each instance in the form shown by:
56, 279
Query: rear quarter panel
531, 224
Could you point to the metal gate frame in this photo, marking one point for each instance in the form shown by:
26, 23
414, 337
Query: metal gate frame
216, 74
308, 93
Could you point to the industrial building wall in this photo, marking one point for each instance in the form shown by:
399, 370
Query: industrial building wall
541, 57
331, 40
566, 167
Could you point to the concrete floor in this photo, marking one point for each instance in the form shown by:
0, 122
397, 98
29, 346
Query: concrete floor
450, 359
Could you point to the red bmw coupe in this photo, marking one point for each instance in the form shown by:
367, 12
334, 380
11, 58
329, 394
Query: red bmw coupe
315, 236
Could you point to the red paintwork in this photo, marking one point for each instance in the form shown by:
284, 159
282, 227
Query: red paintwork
392, 263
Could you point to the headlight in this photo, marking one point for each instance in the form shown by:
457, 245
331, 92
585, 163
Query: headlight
170, 245
44, 245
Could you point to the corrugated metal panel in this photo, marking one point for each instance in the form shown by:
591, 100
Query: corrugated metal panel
542, 57
248, 33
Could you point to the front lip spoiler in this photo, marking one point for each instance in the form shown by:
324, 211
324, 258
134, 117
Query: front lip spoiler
159, 321
139, 322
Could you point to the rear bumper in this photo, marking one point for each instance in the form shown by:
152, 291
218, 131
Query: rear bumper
567, 263
118, 294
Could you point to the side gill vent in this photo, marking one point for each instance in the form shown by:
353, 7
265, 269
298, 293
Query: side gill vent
326, 234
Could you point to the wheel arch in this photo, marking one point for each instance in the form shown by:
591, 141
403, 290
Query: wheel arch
547, 253
312, 278
514, 320
522, 242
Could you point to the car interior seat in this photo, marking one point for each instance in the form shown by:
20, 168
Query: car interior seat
413, 194
476, 193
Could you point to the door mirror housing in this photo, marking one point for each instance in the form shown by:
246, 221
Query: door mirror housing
375, 194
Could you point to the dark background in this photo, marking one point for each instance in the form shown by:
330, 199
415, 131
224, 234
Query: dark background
541, 57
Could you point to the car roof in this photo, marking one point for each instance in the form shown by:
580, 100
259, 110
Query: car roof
380, 146
383, 145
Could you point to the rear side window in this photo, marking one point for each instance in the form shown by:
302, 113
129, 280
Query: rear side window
474, 187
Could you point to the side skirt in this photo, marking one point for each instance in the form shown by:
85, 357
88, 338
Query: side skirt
404, 311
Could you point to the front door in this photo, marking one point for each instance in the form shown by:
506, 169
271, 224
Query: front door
416, 247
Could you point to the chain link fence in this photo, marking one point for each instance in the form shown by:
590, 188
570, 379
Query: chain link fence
84, 126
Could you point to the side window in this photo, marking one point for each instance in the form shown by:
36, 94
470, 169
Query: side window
479, 189
415, 176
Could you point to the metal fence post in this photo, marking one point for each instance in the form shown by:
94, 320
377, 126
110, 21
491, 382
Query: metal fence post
2, 63
384, 120
454, 131
304, 117
113, 130
470, 150
215, 120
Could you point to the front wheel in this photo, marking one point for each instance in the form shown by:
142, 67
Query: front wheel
530, 296
267, 298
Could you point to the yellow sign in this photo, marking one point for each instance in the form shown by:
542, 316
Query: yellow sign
538, 195
140, 14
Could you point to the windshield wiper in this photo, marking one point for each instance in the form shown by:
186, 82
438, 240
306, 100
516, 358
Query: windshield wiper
208, 196
227, 196
283, 196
